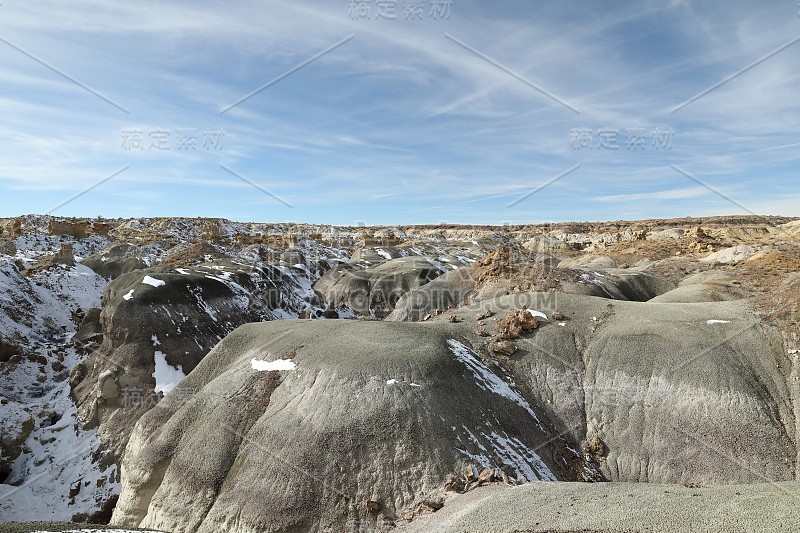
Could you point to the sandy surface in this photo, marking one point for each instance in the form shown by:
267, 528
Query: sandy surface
616, 507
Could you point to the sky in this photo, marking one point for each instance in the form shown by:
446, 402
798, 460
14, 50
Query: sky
400, 112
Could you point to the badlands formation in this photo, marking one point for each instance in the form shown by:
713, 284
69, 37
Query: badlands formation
186, 375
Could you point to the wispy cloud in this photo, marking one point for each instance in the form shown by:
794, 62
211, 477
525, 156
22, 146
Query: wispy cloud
400, 124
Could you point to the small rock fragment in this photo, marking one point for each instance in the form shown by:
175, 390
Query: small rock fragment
486, 313
504, 347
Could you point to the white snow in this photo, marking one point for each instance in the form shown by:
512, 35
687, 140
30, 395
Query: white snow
537, 314
182, 271
153, 282
167, 376
278, 364
383, 253
589, 279
58, 456
436, 264
396, 381
485, 378
717, 322
510, 450
128, 295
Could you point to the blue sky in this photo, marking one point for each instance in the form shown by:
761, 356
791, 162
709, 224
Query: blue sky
466, 118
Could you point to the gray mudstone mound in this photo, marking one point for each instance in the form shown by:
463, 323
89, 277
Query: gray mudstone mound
118, 259
660, 386
180, 313
618, 284
386, 412
361, 411
708, 286
448, 291
374, 291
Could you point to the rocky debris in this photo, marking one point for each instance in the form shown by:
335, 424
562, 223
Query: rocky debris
497, 263
430, 505
594, 446
486, 313
473, 478
64, 256
504, 347
516, 324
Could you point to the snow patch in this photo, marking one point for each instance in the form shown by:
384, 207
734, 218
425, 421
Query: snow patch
128, 295
485, 378
167, 376
717, 322
153, 282
538, 314
278, 364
